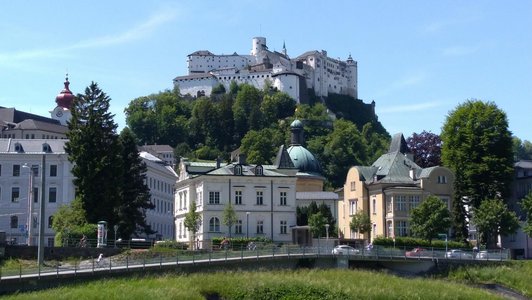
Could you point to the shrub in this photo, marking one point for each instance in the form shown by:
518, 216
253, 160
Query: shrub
410, 242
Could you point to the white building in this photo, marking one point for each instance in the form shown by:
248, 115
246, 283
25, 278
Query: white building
311, 70
161, 179
20, 169
263, 197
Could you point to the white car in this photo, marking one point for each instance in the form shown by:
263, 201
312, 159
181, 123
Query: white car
458, 254
344, 250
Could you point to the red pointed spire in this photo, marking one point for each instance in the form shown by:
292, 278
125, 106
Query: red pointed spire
65, 97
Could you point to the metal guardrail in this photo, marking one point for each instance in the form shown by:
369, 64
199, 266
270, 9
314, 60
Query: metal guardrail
132, 262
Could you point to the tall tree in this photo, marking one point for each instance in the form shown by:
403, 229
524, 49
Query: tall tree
477, 147
94, 153
526, 205
229, 217
345, 147
522, 149
261, 146
426, 147
493, 218
325, 211
134, 193
192, 221
317, 224
430, 218
361, 223
246, 110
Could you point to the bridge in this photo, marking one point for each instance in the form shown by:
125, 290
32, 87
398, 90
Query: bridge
286, 257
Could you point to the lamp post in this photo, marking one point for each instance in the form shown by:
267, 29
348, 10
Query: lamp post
40, 248
247, 225
327, 236
116, 229
30, 202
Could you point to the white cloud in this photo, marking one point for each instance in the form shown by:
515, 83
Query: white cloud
404, 82
138, 32
409, 108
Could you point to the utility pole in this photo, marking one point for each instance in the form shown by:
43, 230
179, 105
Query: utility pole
40, 250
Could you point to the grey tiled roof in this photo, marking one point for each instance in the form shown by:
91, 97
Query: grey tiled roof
32, 146
524, 164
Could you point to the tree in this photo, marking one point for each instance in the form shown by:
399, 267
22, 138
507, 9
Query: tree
526, 205
192, 220
492, 218
229, 217
134, 193
69, 220
345, 147
317, 224
430, 218
426, 147
361, 223
325, 211
94, 152
261, 146
477, 147
522, 149
277, 106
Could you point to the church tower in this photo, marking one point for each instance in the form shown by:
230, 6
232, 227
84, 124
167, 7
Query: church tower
64, 102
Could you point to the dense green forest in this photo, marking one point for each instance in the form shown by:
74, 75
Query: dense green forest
258, 122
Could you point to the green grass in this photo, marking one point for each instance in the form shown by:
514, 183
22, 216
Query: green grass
300, 284
513, 274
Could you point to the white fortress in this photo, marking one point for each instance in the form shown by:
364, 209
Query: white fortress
311, 70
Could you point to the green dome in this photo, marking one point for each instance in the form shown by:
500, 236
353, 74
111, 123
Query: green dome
296, 124
304, 160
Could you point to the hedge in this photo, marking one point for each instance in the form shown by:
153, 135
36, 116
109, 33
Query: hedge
410, 242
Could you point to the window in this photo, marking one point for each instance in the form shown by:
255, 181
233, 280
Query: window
238, 170
50, 221
260, 197
284, 226
374, 206
14, 222
260, 227
214, 197
400, 203
442, 179
214, 224
353, 206
52, 195
238, 197
353, 186
282, 198
238, 227
53, 170
414, 201
16, 170
0, 170
35, 170
15, 194
402, 228
259, 171
35, 195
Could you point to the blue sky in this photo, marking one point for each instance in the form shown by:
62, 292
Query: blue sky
417, 59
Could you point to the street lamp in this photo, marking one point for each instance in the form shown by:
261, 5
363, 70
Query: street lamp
30, 202
116, 229
247, 225
327, 231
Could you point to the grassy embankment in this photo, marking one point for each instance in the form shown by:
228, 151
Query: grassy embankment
301, 284
516, 275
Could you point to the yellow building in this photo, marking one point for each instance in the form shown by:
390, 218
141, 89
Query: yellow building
388, 190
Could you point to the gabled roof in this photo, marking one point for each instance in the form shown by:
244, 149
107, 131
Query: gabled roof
523, 164
31, 124
394, 167
12, 115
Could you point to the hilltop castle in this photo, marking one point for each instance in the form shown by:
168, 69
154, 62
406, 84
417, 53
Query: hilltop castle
311, 70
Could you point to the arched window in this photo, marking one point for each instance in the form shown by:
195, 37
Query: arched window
238, 170
259, 171
14, 222
214, 224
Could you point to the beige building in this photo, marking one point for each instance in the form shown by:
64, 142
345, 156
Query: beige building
388, 190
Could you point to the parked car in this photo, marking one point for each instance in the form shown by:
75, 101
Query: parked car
344, 250
458, 254
416, 252
495, 255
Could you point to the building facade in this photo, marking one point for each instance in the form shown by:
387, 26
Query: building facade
161, 179
311, 70
520, 244
388, 190
263, 197
21, 187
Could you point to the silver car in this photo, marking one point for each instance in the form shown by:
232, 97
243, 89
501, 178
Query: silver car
344, 250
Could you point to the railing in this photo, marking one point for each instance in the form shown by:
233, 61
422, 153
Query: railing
135, 260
